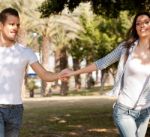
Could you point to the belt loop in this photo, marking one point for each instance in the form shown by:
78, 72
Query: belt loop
114, 104
128, 111
147, 109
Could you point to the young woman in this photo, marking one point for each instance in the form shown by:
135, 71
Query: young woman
131, 112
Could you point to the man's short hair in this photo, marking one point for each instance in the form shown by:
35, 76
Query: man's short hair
8, 11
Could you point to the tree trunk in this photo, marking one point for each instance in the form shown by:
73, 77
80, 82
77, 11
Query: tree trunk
63, 65
45, 57
104, 76
90, 81
76, 66
97, 78
31, 92
57, 63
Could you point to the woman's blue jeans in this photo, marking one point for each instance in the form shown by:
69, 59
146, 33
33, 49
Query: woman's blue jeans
131, 123
10, 121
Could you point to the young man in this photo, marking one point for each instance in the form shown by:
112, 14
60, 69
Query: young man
14, 58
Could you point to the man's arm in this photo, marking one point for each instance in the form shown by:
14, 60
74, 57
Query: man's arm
43, 73
67, 72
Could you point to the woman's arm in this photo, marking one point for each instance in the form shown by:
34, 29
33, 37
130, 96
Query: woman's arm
68, 72
111, 58
106, 61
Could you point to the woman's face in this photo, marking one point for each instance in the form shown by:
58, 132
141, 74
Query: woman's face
143, 26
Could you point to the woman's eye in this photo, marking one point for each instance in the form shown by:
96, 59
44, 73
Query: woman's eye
143, 23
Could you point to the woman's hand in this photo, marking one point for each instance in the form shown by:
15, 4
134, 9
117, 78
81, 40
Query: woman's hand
65, 74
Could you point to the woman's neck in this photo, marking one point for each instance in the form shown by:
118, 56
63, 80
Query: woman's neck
144, 43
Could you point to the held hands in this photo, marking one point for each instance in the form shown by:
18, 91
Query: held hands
65, 74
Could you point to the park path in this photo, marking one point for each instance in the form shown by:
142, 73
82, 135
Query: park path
67, 100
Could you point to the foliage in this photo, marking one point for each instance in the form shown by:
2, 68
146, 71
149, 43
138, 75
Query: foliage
109, 8
112, 31
99, 35
31, 85
88, 38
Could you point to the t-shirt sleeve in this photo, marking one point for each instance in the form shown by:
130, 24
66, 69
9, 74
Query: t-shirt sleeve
31, 56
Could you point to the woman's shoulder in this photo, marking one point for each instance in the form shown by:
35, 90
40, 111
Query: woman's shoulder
122, 44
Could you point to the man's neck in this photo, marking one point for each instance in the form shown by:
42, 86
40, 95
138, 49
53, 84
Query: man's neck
6, 43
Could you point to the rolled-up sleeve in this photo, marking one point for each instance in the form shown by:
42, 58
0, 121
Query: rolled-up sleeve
111, 58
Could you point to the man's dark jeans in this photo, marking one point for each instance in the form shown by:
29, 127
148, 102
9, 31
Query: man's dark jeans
10, 120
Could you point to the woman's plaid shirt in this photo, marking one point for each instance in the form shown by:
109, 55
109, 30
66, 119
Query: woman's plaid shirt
118, 54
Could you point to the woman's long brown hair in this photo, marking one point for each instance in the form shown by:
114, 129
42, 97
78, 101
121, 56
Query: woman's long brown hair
132, 35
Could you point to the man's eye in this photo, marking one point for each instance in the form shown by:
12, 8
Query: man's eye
11, 24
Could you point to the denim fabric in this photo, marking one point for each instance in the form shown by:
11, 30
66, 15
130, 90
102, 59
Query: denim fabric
10, 121
131, 123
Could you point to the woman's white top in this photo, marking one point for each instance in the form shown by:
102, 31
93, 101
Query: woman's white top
134, 79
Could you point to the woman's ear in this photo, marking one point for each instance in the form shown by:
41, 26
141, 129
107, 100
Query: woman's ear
1, 25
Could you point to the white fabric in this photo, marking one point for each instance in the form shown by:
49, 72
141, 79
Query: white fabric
118, 54
13, 62
134, 79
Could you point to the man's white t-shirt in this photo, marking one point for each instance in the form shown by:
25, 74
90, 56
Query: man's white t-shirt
13, 62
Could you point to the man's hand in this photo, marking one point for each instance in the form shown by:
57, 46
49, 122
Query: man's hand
65, 74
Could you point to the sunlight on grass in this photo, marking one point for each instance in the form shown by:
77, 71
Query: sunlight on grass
75, 126
68, 118
103, 130
77, 116
89, 92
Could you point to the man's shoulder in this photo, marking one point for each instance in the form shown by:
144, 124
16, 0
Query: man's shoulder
23, 47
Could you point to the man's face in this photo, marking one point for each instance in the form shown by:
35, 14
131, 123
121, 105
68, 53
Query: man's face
9, 29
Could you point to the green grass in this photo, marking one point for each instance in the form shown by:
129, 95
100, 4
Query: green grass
72, 120
81, 92
88, 117
89, 92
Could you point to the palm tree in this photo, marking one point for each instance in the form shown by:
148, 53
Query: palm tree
45, 28
30, 19
68, 27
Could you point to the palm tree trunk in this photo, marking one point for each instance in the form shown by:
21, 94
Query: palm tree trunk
63, 65
45, 57
57, 63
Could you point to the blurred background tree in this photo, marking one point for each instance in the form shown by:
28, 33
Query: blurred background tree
86, 30
108, 8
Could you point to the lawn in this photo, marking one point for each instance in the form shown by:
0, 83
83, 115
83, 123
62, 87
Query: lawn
71, 116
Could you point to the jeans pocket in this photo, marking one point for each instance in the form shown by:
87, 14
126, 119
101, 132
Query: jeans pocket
16, 115
118, 111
